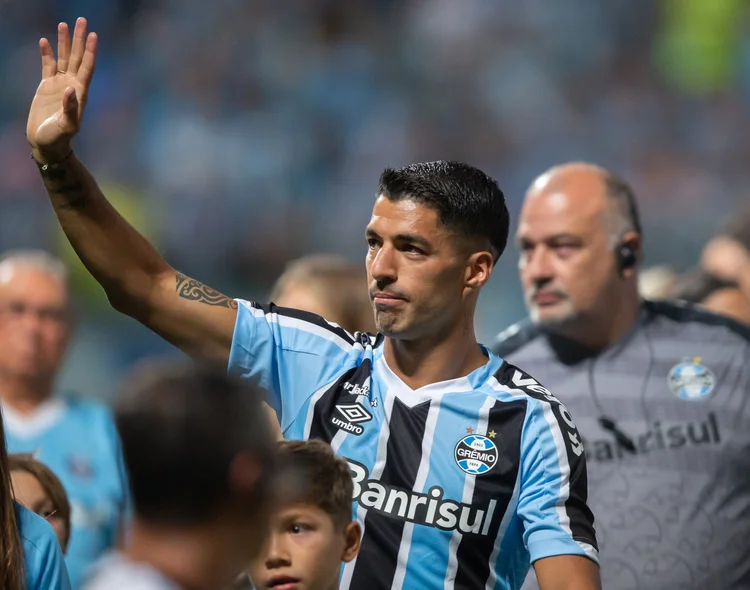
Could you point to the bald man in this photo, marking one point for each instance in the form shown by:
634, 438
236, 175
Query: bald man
660, 391
76, 438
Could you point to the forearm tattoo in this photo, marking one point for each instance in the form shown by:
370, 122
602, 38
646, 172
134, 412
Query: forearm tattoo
193, 290
66, 191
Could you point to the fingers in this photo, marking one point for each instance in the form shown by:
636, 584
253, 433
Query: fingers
49, 65
79, 46
63, 46
88, 64
70, 108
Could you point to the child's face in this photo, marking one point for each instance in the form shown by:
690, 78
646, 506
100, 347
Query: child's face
304, 551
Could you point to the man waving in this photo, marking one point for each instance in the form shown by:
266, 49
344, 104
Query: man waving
465, 468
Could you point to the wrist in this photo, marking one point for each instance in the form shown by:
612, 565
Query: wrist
51, 155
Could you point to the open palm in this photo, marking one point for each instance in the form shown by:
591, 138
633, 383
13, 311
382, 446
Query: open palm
57, 108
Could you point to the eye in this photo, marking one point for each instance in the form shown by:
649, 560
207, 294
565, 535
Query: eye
298, 528
564, 250
411, 248
372, 243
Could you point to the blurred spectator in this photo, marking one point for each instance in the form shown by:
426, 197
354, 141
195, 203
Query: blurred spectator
37, 487
330, 286
76, 438
717, 295
29, 549
726, 257
201, 461
656, 282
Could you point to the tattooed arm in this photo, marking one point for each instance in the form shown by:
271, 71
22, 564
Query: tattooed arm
136, 279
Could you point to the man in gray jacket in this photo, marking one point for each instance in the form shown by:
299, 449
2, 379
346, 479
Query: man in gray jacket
660, 391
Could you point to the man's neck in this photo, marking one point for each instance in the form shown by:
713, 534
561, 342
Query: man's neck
596, 334
194, 560
441, 357
24, 395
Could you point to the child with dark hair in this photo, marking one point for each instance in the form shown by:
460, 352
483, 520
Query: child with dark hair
312, 530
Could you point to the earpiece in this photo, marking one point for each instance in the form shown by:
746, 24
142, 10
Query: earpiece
626, 257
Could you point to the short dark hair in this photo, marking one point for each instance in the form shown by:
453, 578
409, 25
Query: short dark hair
466, 199
624, 200
181, 425
696, 286
319, 478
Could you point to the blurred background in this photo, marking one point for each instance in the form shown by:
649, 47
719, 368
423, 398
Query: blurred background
238, 134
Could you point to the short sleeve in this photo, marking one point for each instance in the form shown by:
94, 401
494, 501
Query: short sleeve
289, 353
552, 499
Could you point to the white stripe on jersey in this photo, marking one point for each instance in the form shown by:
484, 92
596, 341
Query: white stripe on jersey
562, 456
290, 322
377, 471
466, 498
419, 483
562, 459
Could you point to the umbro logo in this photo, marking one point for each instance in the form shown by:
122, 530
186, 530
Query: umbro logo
354, 414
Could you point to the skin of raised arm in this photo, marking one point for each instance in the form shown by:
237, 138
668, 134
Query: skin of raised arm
138, 282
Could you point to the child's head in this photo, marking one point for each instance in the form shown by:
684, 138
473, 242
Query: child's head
312, 530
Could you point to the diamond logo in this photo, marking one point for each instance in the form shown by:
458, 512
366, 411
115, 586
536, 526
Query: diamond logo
354, 413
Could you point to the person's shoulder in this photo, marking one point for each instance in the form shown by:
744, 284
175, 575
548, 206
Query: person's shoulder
515, 337
688, 320
293, 319
115, 571
37, 535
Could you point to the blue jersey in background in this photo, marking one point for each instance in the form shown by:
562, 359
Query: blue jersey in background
42, 557
78, 441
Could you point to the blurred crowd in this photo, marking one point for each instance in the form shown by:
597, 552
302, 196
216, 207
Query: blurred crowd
244, 127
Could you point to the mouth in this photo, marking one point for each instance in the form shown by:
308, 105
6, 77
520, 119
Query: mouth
546, 298
283, 583
386, 299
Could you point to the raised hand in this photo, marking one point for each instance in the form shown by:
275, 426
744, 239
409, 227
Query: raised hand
57, 108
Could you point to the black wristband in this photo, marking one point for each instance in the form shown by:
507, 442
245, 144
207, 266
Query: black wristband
50, 165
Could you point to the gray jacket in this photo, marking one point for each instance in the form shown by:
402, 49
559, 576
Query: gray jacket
665, 419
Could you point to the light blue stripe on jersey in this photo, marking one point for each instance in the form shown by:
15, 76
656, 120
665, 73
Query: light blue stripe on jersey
432, 545
546, 535
312, 356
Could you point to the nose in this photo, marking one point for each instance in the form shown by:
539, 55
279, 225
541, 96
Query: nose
276, 552
383, 266
536, 266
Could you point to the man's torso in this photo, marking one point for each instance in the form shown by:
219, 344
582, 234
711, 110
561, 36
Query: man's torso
673, 510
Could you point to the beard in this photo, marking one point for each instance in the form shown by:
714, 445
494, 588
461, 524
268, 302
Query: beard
552, 317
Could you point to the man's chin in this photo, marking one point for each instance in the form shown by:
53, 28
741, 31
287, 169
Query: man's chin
549, 319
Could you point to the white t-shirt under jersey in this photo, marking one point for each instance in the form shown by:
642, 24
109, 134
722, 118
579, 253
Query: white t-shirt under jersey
116, 572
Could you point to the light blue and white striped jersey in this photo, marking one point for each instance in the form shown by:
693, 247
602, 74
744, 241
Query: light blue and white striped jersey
78, 441
42, 557
458, 484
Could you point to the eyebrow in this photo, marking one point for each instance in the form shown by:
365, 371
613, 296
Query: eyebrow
560, 236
